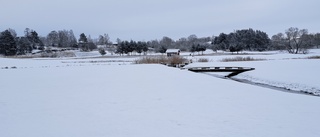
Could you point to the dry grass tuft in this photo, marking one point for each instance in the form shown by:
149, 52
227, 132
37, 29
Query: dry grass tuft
176, 60
203, 60
151, 60
240, 59
314, 57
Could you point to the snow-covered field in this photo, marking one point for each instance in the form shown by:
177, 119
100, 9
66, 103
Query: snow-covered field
110, 97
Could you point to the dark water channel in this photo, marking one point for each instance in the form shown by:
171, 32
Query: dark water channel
263, 85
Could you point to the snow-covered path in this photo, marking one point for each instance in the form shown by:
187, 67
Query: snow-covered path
144, 101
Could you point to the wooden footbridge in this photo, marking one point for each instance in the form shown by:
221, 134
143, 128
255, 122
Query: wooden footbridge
234, 70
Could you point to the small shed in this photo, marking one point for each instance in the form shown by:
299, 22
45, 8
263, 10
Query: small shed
171, 52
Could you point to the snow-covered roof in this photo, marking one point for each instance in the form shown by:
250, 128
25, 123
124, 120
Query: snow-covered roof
172, 50
101, 46
36, 51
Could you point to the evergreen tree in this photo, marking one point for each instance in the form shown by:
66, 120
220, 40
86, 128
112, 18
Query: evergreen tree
201, 48
53, 39
316, 40
23, 45
139, 47
7, 44
132, 46
83, 38
193, 48
144, 47
34, 39
246, 39
83, 42
221, 42
120, 48
235, 43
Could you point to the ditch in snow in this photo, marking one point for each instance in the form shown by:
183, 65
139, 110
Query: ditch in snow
263, 85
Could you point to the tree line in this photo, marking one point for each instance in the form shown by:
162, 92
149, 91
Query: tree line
294, 40
10, 44
246, 39
126, 47
192, 43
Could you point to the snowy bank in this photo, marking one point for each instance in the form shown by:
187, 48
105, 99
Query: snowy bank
145, 101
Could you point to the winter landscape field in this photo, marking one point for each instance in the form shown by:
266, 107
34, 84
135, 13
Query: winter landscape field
113, 97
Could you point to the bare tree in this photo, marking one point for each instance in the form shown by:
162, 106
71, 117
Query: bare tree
72, 40
192, 39
182, 44
13, 32
164, 44
101, 40
63, 38
296, 40
27, 32
104, 40
107, 39
278, 42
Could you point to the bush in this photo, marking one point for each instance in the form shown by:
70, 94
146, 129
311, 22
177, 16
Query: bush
240, 59
161, 60
57, 54
203, 60
102, 51
150, 60
176, 60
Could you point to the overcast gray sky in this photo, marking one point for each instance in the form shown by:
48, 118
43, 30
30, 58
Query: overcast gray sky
153, 19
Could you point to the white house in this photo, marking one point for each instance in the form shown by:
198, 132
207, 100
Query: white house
171, 52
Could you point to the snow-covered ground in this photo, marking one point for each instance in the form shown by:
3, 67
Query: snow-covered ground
110, 97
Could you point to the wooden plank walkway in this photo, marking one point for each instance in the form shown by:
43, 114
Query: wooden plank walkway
234, 70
